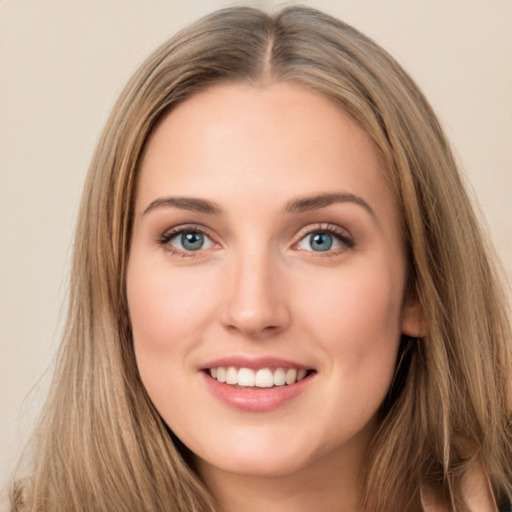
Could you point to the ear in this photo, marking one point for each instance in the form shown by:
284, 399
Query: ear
414, 323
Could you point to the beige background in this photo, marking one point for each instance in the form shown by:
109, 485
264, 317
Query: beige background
62, 64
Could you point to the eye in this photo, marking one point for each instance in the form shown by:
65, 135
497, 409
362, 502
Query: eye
330, 240
190, 241
186, 240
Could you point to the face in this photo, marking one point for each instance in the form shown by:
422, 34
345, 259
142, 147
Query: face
266, 279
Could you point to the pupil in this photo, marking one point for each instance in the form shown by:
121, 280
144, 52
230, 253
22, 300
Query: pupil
192, 241
321, 241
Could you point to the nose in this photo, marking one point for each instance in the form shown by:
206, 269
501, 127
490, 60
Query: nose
256, 299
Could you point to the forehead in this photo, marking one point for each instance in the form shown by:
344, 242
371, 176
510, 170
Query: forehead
283, 139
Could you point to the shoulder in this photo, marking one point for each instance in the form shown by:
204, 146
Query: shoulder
476, 491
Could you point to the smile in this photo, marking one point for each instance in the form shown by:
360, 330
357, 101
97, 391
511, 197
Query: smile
260, 378
259, 384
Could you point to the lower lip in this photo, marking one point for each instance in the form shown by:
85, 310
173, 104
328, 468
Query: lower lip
255, 399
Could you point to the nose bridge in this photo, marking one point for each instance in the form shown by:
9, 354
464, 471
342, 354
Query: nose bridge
255, 302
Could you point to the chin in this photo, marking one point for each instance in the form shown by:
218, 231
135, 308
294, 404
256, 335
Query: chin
257, 465
278, 454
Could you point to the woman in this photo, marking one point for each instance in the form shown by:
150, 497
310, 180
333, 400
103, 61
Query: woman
281, 298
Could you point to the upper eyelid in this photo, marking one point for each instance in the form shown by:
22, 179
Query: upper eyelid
324, 227
183, 228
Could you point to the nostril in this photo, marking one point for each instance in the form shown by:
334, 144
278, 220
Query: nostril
254, 330
254, 304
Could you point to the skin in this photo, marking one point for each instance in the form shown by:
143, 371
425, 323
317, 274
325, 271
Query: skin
258, 289
476, 492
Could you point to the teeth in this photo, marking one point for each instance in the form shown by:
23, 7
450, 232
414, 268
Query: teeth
221, 374
291, 376
279, 377
245, 377
262, 378
231, 375
300, 375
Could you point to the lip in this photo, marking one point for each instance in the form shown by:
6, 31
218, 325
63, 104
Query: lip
255, 399
254, 363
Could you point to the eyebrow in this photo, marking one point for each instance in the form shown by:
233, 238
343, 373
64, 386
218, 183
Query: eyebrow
317, 201
299, 205
185, 203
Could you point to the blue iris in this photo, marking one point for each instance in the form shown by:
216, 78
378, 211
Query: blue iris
192, 241
320, 241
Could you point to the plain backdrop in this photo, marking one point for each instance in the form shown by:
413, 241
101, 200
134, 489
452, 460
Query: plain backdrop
62, 65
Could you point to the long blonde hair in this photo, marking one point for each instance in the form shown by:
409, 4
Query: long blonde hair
101, 445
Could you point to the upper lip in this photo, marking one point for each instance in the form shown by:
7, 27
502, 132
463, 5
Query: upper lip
254, 363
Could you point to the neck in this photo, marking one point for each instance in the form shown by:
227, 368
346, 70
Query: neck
330, 483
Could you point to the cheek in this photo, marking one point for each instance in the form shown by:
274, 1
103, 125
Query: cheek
357, 322
169, 312
358, 326
167, 306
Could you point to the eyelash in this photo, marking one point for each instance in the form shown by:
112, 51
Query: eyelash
168, 235
341, 235
333, 230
